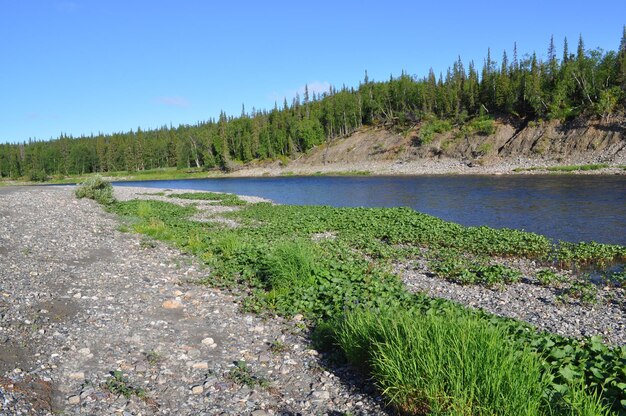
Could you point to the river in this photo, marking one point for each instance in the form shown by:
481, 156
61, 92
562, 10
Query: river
563, 207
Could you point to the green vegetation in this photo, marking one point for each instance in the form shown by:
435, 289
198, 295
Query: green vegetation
344, 287
590, 83
242, 375
567, 168
120, 385
218, 198
450, 364
96, 188
432, 126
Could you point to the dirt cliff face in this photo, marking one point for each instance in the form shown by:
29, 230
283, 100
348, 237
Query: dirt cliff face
543, 143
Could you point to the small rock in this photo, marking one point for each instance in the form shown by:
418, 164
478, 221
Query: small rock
79, 375
84, 351
197, 389
320, 395
203, 365
208, 341
172, 304
73, 399
259, 412
298, 317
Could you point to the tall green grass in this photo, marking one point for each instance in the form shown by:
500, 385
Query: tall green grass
452, 364
289, 264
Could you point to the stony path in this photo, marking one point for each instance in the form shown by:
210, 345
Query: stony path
80, 300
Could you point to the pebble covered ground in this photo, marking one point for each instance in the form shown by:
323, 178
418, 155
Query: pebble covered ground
98, 321
544, 307
95, 321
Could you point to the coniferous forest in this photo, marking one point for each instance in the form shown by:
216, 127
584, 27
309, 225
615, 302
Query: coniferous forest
573, 82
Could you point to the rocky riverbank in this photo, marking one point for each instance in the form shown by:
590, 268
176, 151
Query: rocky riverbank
98, 321
94, 320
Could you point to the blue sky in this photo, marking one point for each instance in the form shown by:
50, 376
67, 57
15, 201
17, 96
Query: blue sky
88, 66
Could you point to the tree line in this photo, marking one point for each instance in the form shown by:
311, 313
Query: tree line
561, 86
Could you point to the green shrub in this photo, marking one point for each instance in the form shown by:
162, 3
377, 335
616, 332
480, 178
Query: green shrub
430, 127
96, 188
483, 126
37, 176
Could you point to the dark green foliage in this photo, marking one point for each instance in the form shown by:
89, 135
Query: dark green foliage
593, 83
96, 188
429, 128
119, 385
242, 375
453, 266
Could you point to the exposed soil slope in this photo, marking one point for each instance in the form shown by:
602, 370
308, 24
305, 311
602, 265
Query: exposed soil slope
512, 145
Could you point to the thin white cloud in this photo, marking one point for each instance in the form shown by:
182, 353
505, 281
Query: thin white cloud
317, 87
174, 101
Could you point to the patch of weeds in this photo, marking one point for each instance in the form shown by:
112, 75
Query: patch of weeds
123, 228
119, 385
583, 291
616, 278
153, 193
147, 243
453, 267
278, 347
218, 198
153, 357
482, 125
242, 375
484, 148
547, 277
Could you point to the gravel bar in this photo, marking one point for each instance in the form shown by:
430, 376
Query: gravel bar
95, 321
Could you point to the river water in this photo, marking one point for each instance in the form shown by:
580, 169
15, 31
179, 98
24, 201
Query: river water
563, 207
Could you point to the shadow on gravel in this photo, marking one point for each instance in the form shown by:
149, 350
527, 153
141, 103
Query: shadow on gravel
14, 355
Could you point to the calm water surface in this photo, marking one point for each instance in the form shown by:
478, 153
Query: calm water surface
569, 208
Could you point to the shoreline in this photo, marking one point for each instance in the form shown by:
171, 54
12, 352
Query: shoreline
419, 168
422, 167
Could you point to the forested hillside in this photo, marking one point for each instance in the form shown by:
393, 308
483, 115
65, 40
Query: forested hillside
588, 83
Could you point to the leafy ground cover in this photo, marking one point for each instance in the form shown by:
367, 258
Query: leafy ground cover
218, 198
332, 266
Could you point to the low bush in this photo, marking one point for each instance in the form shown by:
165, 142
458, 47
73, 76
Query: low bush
96, 188
432, 127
